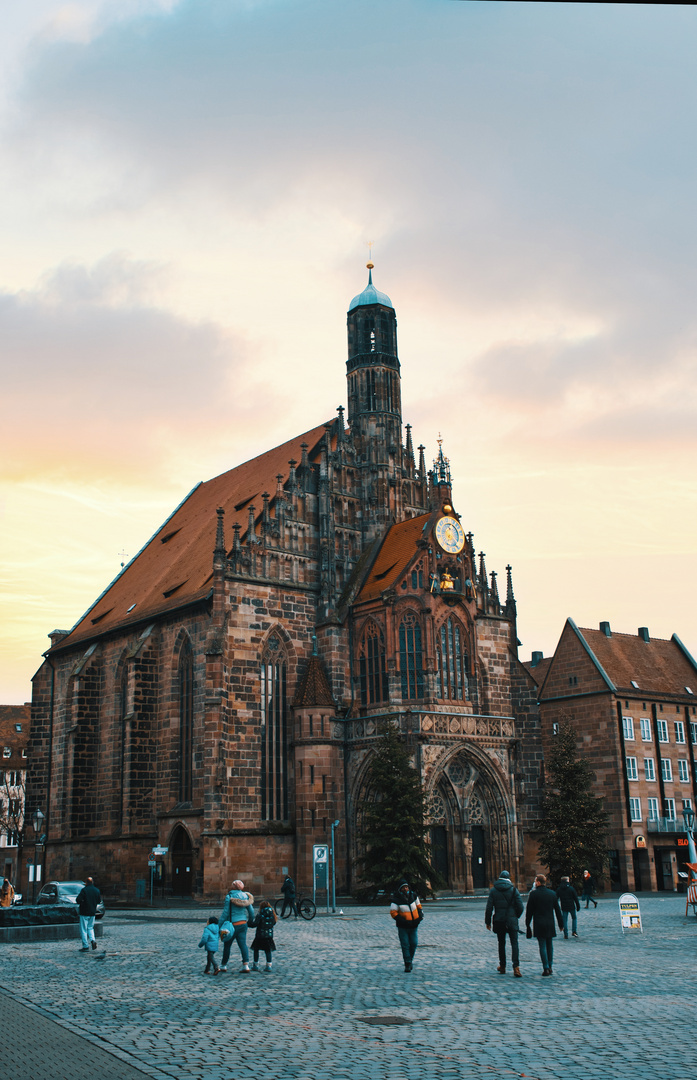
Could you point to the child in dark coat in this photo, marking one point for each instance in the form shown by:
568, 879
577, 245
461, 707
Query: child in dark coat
264, 921
209, 942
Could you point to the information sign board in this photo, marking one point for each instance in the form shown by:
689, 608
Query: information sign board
630, 913
320, 860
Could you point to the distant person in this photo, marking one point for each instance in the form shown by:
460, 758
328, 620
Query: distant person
503, 908
7, 893
288, 890
209, 942
588, 888
238, 911
406, 911
569, 904
264, 923
87, 900
541, 910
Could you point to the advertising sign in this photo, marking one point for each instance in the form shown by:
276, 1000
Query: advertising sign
630, 914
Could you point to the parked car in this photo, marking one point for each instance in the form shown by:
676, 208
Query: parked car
65, 892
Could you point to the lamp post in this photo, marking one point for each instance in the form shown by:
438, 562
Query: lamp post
688, 815
335, 825
37, 820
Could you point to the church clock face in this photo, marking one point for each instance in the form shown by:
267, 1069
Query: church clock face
450, 535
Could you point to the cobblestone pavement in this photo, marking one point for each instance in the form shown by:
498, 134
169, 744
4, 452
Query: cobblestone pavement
617, 1006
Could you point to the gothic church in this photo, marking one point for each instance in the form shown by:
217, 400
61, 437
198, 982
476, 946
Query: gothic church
222, 697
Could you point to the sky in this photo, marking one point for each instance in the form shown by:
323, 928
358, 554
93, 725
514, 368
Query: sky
189, 188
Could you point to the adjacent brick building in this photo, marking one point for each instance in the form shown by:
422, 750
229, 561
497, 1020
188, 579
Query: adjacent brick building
633, 702
223, 696
14, 739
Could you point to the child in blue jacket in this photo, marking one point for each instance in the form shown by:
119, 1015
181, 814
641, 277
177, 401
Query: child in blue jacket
209, 942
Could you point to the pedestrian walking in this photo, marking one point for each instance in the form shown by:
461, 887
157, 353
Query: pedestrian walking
87, 900
7, 893
209, 942
406, 911
569, 904
264, 922
503, 908
588, 888
542, 908
288, 890
238, 911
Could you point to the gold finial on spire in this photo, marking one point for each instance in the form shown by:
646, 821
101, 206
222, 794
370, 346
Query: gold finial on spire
370, 264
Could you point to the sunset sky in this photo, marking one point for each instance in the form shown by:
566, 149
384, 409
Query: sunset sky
188, 189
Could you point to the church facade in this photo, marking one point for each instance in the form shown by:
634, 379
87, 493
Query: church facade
223, 696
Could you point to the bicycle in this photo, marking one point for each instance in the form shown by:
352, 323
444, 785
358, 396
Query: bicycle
305, 908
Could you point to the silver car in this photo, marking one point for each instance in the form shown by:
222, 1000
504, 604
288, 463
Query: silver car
65, 892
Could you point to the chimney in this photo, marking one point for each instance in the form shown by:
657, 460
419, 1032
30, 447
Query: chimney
536, 657
643, 633
605, 629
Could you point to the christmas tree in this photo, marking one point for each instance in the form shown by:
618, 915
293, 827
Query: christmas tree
572, 834
393, 822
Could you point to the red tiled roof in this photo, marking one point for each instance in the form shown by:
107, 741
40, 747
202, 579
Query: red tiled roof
658, 665
176, 565
314, 686
397, 551
10, 716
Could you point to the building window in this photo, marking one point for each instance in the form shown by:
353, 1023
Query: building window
632, 773
7, 751
666, 769
274, 721
452, 661
679, 731
683, 773
635, 809
693, 732
649, 768
645, 729
185, 677
687, 804
628, 727
669, 809
411, 657
662, 730
371, 663
653, 810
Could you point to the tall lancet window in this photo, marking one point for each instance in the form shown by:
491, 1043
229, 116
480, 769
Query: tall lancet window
371, 397
373, 672
185, 676
274, 732
411, 656
452, 661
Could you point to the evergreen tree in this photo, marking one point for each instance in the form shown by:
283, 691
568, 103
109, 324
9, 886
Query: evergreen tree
573, 832
393, 825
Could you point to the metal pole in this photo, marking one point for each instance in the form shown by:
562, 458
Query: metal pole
335, 824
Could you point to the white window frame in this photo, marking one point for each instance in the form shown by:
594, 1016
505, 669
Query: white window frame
654, 810
632, 772
687, 804
645, 725
667, 770
650, 770
679, 731
662, 731
635, 809
628, 728
683, 771
669, 809
693, 729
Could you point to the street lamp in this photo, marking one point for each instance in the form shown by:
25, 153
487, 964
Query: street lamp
688, 816
335, 825
37, 820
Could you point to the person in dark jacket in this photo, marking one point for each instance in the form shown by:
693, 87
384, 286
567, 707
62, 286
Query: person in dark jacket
588, 888
405, 909
569, 904
542, 908
264, 923
504, 907
288, 890
87, 900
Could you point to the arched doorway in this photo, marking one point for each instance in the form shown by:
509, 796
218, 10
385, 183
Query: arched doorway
182, 862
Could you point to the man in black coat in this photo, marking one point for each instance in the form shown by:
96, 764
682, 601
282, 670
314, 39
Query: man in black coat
506, 907
87, 900
541, 910
569, 903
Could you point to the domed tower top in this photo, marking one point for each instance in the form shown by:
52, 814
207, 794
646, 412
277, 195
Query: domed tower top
373, 365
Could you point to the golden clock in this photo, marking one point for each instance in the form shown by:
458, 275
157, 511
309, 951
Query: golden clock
450, 535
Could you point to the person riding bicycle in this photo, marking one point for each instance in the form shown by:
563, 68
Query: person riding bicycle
288, 890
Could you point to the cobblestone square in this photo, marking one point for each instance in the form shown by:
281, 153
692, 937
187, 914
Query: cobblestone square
338, 1004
